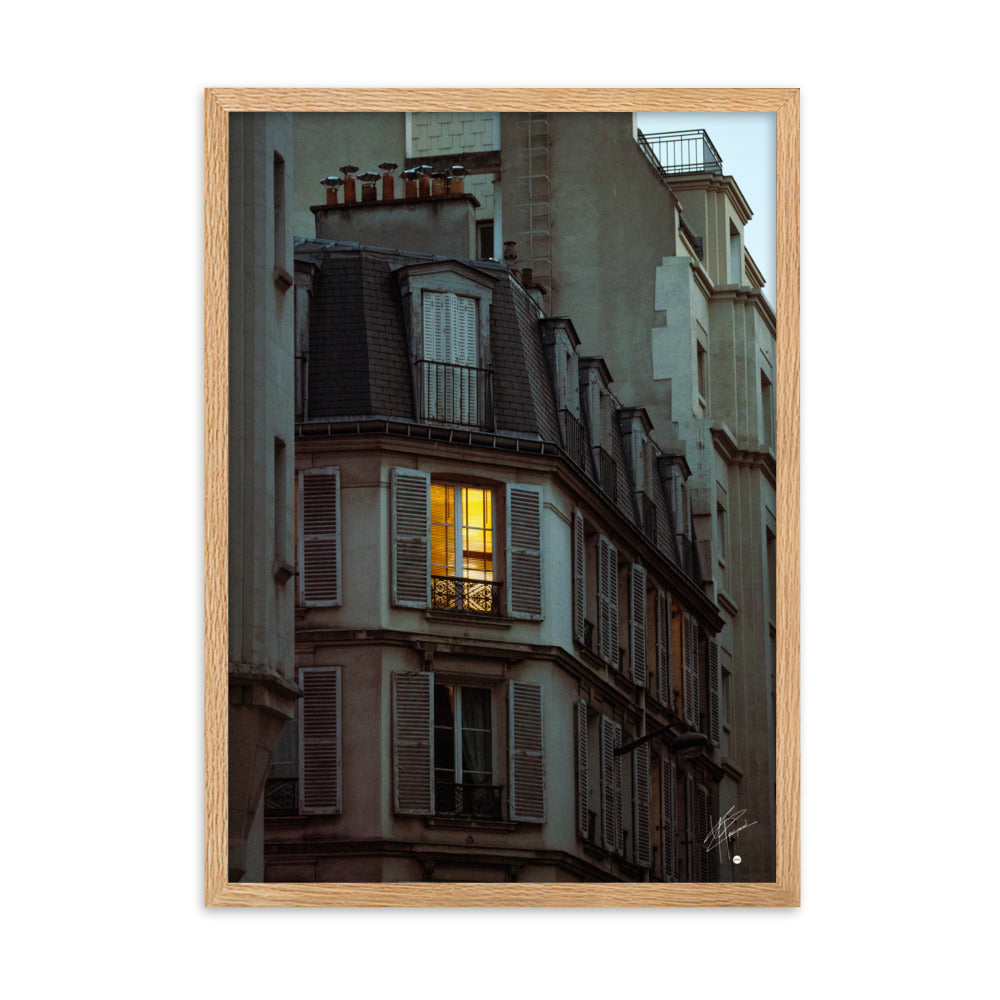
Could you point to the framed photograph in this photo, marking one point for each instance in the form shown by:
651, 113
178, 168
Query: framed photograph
502, 525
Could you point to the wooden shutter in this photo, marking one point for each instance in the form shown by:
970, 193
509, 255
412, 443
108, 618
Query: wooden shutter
582, 770
411, 538
640, 804
693, 865
611, 785
607, 599
664, 681
713, 692
319, 740
668, 817
637, 620
526, 753
413, 743
691, 706
524, 551
319, 537
702, 821
579, 579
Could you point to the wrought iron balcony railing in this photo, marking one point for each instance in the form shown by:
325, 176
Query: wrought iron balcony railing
687, 152
281, 797
456, 394
464, 801
455, 593
607, 473
687, 551
574, 440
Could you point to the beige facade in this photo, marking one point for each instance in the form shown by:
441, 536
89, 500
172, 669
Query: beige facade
654, 271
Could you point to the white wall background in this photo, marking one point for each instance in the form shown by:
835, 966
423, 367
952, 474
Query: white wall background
102, 175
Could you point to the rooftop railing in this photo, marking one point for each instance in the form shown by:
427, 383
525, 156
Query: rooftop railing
688, 152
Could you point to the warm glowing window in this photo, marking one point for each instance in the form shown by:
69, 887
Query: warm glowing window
461, 532
462, 547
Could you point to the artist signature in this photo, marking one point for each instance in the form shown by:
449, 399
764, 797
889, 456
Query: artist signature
725, 830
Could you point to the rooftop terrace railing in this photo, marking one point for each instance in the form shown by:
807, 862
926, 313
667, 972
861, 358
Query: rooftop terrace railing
688, 152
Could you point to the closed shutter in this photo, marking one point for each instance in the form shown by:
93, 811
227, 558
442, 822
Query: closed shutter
412, 743
693, 864
319, 537
611, 785
582, 770
638, 624
668, 817
664, 681
526, 755
524, 552
640, 799
619, 794
579, 579
319, 740
451, 390
713, 692
607, 599
701, 832
411, 538
691, 706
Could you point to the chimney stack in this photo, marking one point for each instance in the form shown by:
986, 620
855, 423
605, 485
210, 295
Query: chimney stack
456, 179
369, 191
410, 178
425, 181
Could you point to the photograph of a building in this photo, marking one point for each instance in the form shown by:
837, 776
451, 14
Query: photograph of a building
502, 525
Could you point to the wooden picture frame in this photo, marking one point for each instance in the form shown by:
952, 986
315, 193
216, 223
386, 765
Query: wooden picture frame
219, 103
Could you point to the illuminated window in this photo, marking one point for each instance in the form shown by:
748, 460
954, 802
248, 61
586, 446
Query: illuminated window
462, 548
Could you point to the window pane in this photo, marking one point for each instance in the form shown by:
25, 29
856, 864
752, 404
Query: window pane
442, 530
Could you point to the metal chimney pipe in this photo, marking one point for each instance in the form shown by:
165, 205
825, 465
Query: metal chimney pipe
331, 184
369, 190
410, 177
456, 179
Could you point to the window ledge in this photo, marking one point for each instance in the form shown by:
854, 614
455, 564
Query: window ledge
466, 618
451, 823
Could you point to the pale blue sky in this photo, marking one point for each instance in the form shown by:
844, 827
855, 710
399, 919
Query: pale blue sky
746, 143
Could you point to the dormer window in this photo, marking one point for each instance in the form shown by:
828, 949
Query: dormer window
447, 313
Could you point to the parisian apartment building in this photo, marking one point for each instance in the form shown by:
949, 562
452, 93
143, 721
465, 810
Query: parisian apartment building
525, 513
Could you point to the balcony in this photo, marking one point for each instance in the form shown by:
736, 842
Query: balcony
607, 473
455, 593
463, 801
574, 440
688, 152
456, 394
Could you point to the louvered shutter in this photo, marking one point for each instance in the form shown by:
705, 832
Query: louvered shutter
465, 354
412, 743
668, 817
319, 537
691, 706
582, 770
638, 624
713, 692
579, 579
526, 753
607, 594
524, 551
436, 349
693, 865
664, 681
619, 794
701, 832
640, 800
411, 538
319, 740
610, 782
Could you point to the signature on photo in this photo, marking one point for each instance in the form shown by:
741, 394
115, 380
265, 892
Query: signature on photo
725, 831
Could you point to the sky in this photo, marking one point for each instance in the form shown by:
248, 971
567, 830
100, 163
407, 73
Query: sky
746, 143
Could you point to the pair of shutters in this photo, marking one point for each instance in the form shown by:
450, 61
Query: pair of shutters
612, 831
411, 544
697, 809
413, 747
320, 755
